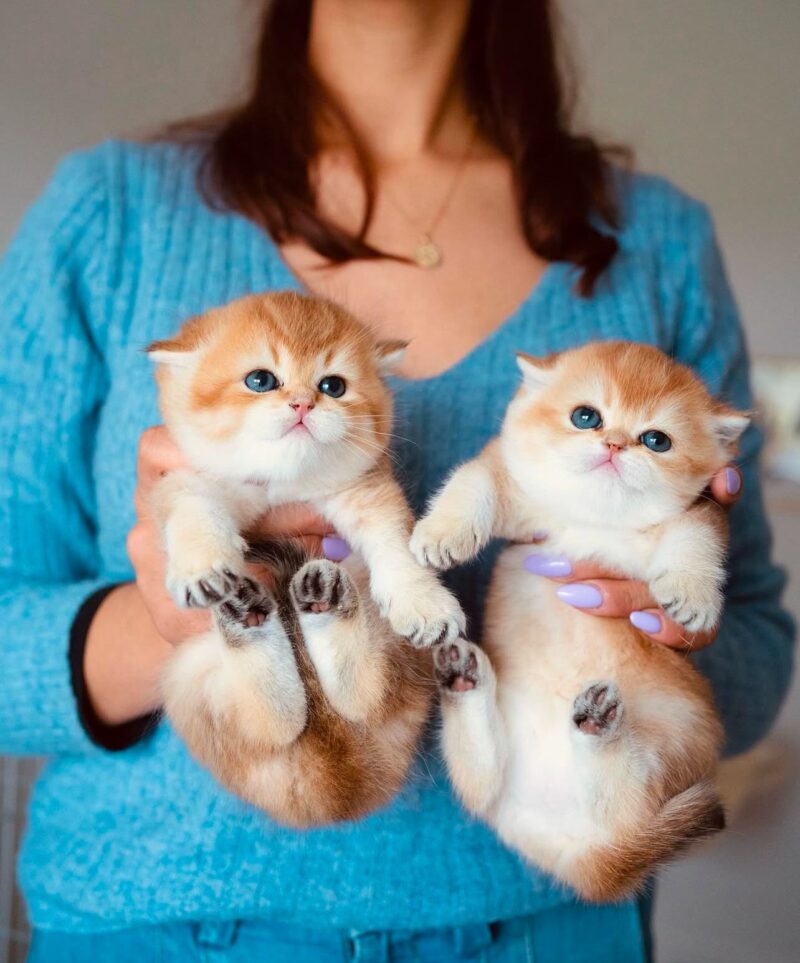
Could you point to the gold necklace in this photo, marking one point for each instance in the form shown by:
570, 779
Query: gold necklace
427, 252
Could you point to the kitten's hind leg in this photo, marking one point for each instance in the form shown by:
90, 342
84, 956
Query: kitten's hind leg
343, 643
261, 682
473, 735
597, 711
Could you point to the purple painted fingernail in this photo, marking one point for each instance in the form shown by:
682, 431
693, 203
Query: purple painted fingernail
539, 536
646, 622
553, 566
580, 596
733, 481
335, 549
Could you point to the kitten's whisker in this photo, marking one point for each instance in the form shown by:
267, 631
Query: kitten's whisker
392, 435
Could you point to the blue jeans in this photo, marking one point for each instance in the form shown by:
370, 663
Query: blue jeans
569, 934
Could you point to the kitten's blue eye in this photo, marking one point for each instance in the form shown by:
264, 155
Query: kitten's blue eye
261, 380
333, 385
586, 417
656, 440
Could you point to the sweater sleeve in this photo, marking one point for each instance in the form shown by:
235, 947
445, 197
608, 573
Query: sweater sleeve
750, 663
52, 384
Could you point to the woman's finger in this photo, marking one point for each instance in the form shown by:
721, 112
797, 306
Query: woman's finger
158, 454
560, 569
611, 598
726, 486
335, 549
654, 624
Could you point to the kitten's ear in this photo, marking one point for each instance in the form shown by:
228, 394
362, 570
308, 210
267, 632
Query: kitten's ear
537, 373
389, 354
729, 425
171, 352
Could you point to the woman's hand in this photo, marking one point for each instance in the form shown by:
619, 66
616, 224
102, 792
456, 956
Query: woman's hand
159, 455
136, 626
604, 593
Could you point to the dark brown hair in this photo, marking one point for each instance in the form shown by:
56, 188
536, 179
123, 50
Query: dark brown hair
258, 156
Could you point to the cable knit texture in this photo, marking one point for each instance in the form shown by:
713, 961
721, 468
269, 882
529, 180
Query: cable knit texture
119, 250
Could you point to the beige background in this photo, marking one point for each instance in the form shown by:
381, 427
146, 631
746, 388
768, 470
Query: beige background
705, 90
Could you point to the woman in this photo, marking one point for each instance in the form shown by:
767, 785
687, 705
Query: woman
415, 161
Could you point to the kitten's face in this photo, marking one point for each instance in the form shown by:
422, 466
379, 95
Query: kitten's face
616, 434
277, 386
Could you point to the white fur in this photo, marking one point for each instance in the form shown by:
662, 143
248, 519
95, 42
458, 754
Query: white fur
260, 463
514, 751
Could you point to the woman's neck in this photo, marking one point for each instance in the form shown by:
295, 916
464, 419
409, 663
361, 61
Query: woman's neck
392, 67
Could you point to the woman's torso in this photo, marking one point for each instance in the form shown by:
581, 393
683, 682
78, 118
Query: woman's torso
146, 834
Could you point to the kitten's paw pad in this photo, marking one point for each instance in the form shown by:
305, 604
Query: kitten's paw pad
247, 607
321, 586
436, 546
598, 710
694, 603
426, 616
203, 591
458, 665
198, 579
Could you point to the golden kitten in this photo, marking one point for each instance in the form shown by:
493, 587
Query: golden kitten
590, 748
281, 398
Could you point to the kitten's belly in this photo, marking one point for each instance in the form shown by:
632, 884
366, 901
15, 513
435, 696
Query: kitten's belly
540, 795
544, 657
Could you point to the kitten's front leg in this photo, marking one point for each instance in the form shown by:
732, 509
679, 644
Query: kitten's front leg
376, 521
460, 519
687, 572
205, 552
473, 733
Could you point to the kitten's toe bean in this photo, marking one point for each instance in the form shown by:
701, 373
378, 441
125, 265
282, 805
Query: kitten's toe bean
245, 609
321, 586
597, 711
457, 665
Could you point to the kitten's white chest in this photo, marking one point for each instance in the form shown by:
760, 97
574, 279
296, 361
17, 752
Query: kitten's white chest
629, 552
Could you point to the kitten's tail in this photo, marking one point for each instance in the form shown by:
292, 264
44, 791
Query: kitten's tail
614, 871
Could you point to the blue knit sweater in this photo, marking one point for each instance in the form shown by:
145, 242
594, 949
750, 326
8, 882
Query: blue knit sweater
118, 251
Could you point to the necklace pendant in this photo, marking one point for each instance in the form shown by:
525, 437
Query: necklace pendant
427, 253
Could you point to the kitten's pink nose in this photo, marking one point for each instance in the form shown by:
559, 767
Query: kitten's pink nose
301, 407
615, 442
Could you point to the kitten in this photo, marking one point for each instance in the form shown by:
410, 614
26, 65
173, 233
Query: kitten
280, 398
300, 699
590, 748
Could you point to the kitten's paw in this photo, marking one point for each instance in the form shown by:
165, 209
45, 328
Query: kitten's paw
247, 608
425, 614
695, 603
321, 586
199, 576
597, 711
435, 544
460, 666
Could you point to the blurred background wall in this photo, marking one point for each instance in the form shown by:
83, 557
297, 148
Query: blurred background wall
706, 91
